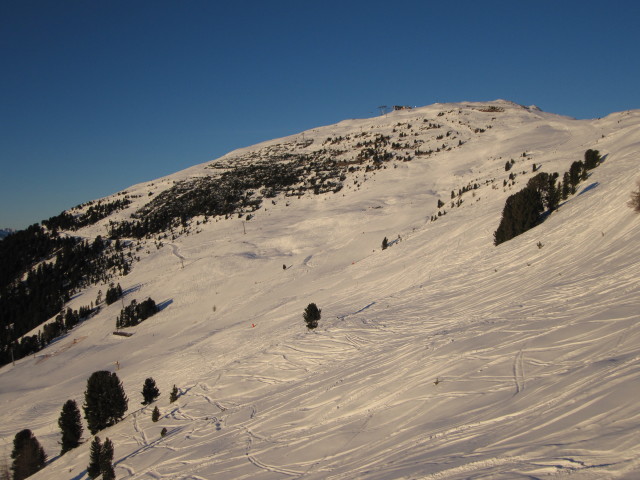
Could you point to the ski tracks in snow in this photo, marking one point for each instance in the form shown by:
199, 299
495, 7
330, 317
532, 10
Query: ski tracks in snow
269, 468
518, 372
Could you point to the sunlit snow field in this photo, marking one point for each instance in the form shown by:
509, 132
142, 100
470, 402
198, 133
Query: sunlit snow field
441, 357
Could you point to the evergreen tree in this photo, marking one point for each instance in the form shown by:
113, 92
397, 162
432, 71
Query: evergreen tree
155, 416
575, 175
552, 198
311, 316
95, 452
70, 425
106, 461
173, 396
545, 184
385, 243
28, 455
150, 391
591, 159
105, 401
566, 185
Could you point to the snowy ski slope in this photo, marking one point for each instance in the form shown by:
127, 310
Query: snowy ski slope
442, 357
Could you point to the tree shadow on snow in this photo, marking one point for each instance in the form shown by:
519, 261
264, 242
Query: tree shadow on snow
589, 187
133, 289
80, 476
164, 304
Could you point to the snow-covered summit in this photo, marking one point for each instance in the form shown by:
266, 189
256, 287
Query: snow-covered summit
442, 356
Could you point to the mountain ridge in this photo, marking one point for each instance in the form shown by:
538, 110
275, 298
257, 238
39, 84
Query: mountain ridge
373, 125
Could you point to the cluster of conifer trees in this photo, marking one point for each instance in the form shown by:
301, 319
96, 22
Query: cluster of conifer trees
523, 210
114, 292
105, 405
135, 312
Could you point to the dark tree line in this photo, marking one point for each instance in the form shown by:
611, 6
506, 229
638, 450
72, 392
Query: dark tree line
30, 344
62, 324
25, 247
232, 192
40, 272
241, 190
96, 212
523, 210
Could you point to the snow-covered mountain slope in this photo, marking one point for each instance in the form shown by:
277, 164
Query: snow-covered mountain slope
441, 357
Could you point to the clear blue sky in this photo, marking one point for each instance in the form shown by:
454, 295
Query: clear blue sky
96, 96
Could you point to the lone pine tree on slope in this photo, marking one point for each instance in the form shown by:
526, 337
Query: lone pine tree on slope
150, 391
173, 396
311, 316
